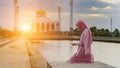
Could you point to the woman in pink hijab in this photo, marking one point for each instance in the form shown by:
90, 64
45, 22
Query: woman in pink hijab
83, 54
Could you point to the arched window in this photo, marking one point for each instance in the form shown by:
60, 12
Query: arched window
32, 27
53, 27
58, 26
42, 27
37, 27
48, 27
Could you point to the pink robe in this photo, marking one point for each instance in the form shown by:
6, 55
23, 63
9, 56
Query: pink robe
83, 54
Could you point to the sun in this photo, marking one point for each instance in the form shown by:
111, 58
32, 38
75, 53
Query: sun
24, 27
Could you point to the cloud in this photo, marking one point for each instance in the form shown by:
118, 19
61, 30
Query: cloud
105, 8
111, 1
95, 8
85, 6
92, 15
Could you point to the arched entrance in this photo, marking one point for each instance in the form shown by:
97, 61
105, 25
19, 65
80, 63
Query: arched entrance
37, 27
48, 27
52, 27
43, 27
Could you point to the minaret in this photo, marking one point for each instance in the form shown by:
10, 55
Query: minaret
111, 27
16, 10
111, 24
59, 15
71, 15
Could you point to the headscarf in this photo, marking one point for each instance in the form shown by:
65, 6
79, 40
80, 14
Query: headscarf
88, 40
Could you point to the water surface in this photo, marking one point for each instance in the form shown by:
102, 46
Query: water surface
61, 50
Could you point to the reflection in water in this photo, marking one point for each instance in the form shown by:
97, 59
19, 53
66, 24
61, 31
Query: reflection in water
62, 50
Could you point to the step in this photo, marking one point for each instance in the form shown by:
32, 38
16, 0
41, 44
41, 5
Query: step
64, 64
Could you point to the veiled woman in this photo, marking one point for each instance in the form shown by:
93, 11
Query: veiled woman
83, 54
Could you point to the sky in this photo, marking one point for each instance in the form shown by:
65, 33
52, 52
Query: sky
94, 12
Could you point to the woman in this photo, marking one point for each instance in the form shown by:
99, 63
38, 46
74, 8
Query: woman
83, 54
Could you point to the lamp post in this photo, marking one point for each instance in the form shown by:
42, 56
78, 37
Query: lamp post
59, 16
71, 15
59, 12
111, 28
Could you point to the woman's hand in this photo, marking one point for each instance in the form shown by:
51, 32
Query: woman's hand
73, 44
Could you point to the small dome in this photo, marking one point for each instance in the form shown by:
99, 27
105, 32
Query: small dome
41, 13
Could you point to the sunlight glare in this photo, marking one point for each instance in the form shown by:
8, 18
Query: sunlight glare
24, 28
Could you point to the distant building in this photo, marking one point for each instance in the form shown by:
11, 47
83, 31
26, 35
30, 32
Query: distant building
43, 24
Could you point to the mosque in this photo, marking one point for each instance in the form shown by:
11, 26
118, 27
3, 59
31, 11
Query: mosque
43, 24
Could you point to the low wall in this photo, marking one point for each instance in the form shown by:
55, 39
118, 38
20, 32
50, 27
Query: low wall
7, 40
36, 58
63, 37
64, 64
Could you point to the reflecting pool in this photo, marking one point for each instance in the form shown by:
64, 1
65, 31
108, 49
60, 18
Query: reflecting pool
62, 50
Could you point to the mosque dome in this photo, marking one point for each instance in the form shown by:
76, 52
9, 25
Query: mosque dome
43, 24
41, 13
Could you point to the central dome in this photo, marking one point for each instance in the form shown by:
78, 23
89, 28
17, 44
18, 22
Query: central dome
41, 13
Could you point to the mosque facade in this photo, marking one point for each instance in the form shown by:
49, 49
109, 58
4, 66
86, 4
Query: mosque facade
43, 24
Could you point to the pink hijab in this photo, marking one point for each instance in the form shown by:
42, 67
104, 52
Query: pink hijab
86, 41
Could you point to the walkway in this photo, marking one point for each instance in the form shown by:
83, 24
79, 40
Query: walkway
14, 55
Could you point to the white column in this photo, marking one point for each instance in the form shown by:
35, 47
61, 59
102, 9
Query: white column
50, 26
55, 26
34, 29
40, 27
45, 28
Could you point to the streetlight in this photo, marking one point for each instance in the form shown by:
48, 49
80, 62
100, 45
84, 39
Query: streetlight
111, 27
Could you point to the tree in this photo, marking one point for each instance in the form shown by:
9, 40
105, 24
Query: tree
98, 32
107, 33
102, 32
5, 32
76, 31
116, 33
93, 30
